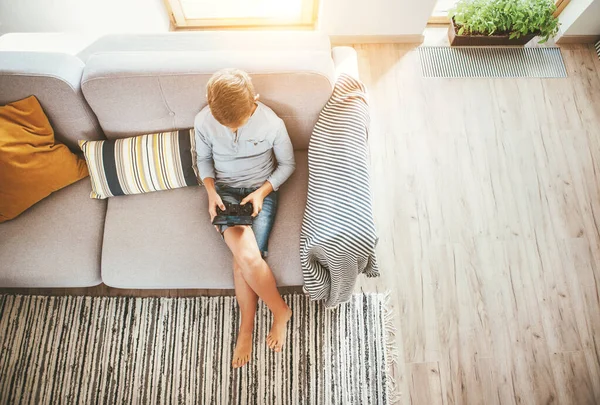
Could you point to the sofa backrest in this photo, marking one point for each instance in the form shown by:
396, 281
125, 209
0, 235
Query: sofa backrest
136, 91
205, 41
55, 79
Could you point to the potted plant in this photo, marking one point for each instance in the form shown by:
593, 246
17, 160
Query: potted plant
501, 22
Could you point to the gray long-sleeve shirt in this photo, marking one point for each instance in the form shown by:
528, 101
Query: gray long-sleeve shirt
260, 151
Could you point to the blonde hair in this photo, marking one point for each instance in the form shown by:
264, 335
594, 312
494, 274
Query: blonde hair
231, 96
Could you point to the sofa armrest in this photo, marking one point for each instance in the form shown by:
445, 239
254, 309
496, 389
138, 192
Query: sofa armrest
55, 79
345, 60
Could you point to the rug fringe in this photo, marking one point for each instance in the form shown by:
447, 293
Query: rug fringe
391, 353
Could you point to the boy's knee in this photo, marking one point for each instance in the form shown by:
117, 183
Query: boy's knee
249, 261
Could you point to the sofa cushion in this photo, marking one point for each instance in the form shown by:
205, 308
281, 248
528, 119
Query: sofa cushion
134, 93
141, 164
32, 164
165, 240
284, 242
55, 243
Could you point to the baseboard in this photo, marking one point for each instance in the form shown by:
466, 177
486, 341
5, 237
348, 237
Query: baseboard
578, 39
375, 39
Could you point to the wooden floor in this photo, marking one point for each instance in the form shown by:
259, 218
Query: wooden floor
487, 197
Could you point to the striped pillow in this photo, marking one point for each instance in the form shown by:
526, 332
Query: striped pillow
140, 164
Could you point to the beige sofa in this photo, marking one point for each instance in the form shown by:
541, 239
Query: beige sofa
126, 85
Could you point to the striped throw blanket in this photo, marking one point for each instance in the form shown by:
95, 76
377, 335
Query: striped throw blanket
338, 237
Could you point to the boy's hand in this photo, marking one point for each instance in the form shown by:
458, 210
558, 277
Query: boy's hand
214, 201
257, 198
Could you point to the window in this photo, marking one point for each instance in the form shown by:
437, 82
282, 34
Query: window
242, 13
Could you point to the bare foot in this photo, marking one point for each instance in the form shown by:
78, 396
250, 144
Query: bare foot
276, 336
243, 349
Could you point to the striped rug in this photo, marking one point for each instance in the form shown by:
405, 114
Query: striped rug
502, 62
83, 350
597, 46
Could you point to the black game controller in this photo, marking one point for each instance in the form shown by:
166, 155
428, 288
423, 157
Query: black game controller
234, 214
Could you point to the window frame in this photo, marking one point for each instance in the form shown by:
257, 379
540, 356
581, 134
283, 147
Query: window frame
308, 19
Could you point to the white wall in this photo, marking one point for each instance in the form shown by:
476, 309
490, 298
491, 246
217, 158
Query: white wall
589, 22
337, 17
375, 17
86, 16
581, 17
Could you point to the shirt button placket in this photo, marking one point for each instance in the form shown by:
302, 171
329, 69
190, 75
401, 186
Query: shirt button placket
236, 138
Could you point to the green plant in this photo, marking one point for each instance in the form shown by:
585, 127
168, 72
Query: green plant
505, 17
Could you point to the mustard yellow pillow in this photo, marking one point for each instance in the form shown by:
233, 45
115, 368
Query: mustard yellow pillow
32, 163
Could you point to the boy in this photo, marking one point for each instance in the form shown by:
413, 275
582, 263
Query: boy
244, 155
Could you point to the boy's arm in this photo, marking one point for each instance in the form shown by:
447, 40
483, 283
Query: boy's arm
205, 163
206, 170
284, 154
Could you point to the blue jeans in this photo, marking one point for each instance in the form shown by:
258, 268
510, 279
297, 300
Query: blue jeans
263, 222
